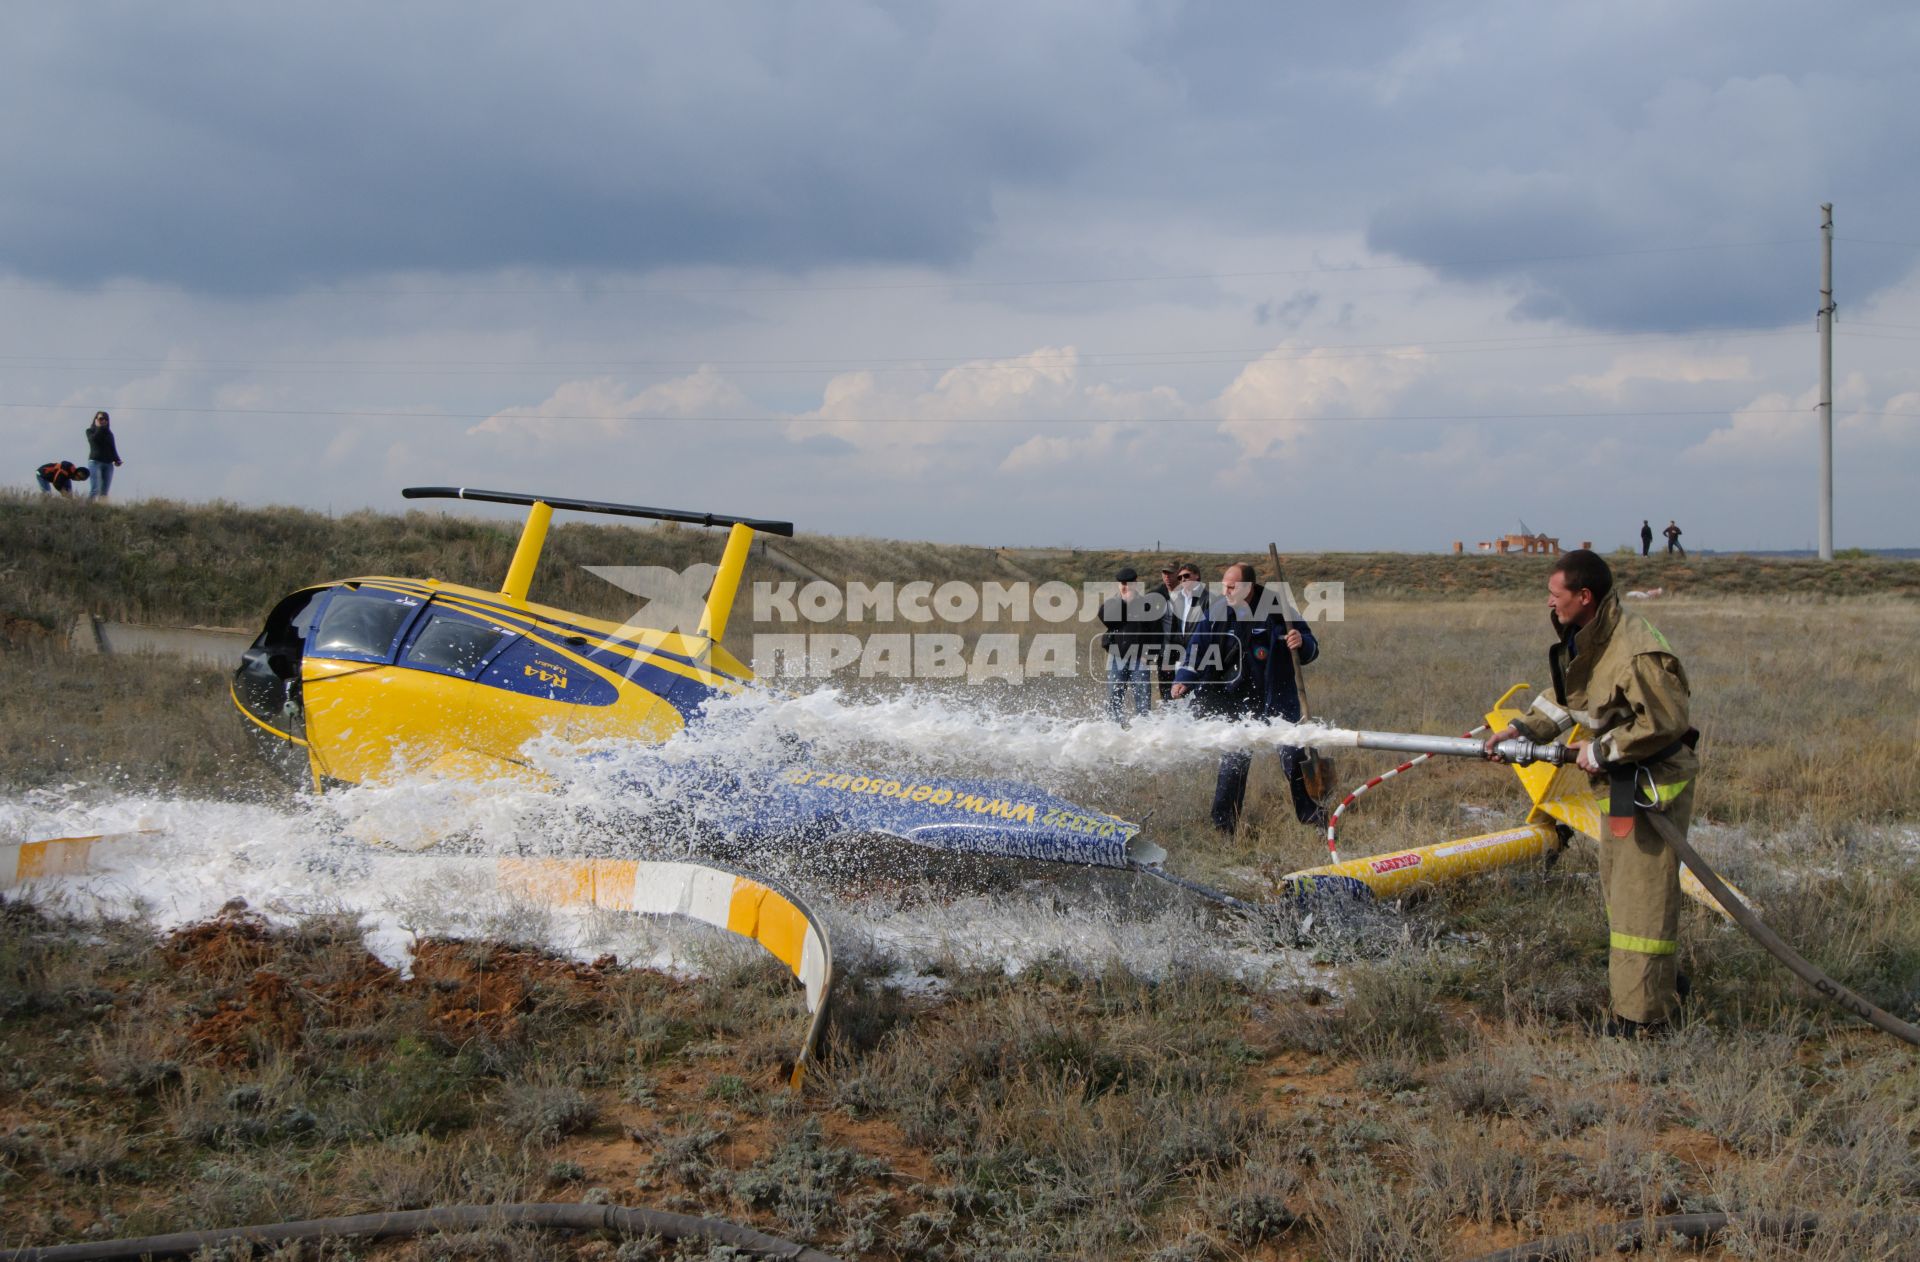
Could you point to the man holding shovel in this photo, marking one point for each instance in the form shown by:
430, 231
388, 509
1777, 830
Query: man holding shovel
1240, 664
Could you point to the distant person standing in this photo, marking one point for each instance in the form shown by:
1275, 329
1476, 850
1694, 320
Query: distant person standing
1672, 532
59, 475
103, 455
1646, 537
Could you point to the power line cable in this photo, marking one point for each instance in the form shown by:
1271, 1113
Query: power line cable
1904, 245
511, 415
1876, 324
976, 363
1061, 282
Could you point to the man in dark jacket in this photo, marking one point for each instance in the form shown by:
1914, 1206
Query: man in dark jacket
59, 475
1239, 665
1646, 536
1129, 638
1672, 532
103, 456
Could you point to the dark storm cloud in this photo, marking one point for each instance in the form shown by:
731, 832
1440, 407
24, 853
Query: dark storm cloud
260, 147
245, 147
1659, 137
1481, 138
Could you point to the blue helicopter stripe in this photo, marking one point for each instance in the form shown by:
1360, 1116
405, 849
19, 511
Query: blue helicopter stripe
687, 696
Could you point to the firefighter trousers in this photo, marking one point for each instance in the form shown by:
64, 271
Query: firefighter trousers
1640, 879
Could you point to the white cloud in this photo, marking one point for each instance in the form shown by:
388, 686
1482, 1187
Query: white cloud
1281, 396
614, 406
1662, 366
1092, 450
972, 410
1770, 429
1892, 427
1784, 430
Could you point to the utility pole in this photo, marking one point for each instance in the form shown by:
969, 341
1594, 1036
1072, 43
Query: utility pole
1826, 381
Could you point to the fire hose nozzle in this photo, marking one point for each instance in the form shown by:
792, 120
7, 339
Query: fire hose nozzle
1521, 752
1514, 750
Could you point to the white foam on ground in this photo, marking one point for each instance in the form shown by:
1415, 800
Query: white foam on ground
173, 861
415, 858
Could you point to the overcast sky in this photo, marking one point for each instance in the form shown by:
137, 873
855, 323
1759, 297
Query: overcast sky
1377, 275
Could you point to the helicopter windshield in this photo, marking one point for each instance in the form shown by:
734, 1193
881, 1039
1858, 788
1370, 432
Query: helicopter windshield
359, 625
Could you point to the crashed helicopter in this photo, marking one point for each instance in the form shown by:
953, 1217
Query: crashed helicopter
371, 679
365, 679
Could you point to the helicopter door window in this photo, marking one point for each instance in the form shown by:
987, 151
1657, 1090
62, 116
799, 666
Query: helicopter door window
288, 624
362, 627
454, 646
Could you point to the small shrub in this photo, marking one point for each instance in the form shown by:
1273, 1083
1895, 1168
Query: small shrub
1492, 1087
93, 1157
1352, 1221
542, 1113
1463, 1170
687, 1160
804, 1181
1635, 1176
1388, 1074
489, 1244
1394, 1003
1256, 1207
728, 1087
1569, 1115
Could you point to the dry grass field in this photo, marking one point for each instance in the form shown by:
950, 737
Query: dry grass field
1433, 1091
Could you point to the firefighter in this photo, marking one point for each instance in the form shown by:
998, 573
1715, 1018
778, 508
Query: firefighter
1617, 676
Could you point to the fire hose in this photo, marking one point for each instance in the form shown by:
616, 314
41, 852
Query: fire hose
1521, 751
1333, 820
447, 1218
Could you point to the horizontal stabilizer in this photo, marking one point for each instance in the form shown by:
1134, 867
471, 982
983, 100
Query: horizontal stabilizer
526, 499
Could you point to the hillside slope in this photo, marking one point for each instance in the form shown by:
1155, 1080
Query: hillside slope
221, 564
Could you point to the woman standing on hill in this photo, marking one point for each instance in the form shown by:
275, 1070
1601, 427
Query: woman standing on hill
103, 456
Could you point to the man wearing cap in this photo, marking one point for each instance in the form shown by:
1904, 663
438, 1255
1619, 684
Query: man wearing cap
1131, 631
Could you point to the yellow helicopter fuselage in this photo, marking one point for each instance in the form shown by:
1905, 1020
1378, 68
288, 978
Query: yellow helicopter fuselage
378, 678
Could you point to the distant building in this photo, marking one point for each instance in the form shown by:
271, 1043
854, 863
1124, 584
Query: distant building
1544, 545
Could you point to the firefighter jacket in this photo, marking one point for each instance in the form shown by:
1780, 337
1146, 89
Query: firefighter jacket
1619, 678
